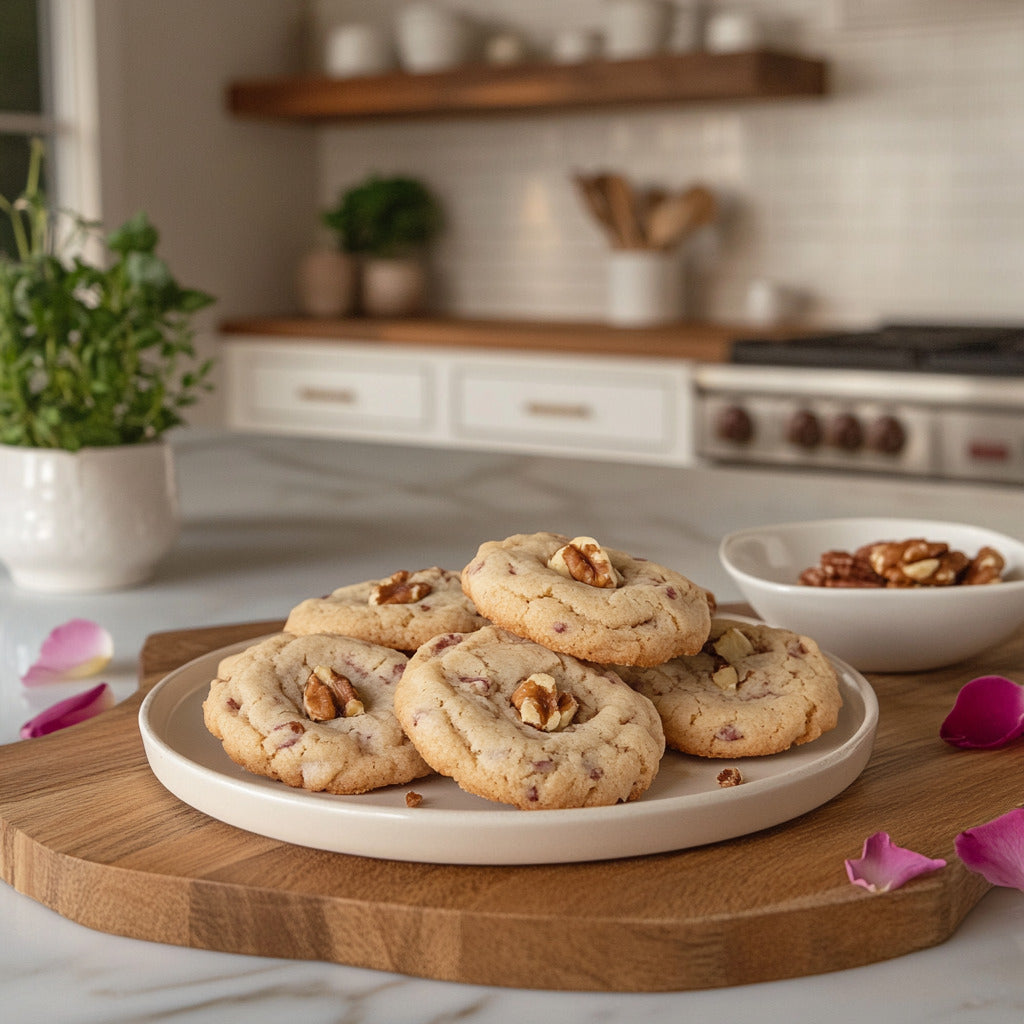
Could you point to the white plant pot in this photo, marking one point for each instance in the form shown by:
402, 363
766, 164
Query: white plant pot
394, 287
93, 520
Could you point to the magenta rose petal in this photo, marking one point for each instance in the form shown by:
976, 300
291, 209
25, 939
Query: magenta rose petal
69, 712
75, 650
988, 712
996, 850
884, 866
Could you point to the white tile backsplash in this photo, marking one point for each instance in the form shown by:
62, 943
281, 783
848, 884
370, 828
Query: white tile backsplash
900, 194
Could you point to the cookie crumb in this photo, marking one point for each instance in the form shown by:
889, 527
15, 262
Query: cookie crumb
729, 777
413, 799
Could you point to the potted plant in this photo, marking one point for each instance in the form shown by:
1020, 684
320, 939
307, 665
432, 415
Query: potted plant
97, 363
389, 222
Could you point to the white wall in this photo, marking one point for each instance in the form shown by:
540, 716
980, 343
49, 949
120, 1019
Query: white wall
899, 195
232, 199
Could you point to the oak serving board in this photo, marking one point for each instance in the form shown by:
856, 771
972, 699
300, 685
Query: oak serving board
87, 830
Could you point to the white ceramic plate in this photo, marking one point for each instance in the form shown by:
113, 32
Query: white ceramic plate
685, 806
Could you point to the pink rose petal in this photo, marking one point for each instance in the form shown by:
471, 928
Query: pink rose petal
69, 712
884, 866
77, 649
996, 850
989, 712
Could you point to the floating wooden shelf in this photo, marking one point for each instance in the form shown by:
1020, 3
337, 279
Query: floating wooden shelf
481, 89
706, 342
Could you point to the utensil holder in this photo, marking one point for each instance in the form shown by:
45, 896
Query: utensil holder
645, 288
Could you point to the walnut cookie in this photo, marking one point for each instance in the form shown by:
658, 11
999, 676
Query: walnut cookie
514, 722
577, 598
315, 712
402, 612
753, 690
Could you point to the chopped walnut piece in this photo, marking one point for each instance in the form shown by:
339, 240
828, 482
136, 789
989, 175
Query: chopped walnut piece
725, 678
540, 704
583, 559
843, 569
413, 799
397, 589
986, 567
917, 562
733, 645
328, 694
728, 777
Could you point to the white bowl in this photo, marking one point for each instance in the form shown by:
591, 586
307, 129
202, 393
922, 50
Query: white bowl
877, 630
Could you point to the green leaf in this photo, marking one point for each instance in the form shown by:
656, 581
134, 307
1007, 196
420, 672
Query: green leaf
135, 235
94, 355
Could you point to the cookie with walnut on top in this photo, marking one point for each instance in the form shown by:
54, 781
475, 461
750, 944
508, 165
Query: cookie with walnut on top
578, 598
514, 722
401, 612
753, 690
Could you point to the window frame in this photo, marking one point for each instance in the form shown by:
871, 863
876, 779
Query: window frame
70, 123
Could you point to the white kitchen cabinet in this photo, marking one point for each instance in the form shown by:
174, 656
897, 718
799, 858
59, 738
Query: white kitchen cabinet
612, 407
331, 391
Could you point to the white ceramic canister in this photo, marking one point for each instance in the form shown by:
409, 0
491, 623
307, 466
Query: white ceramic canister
575, 45
645, 287
635, 28
358, 48
431, 37
97, 519
730, 31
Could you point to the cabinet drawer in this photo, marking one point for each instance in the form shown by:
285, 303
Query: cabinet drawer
586, 409
330, 392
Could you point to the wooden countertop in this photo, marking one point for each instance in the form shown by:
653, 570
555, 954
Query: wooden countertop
704, 342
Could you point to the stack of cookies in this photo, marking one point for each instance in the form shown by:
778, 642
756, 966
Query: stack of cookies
550, 673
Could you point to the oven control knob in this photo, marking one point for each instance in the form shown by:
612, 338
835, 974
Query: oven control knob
887, 435
734, 424
804, 429
845, 432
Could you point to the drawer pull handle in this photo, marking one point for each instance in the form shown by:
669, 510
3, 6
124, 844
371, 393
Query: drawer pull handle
336, 396
560, 409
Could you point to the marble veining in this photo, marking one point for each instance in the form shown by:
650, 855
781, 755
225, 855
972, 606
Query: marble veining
268, 522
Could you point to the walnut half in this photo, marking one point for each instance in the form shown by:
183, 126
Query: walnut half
584, 560
397, 589
328, 695
540, 704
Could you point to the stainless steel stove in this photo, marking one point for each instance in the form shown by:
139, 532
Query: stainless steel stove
916, 400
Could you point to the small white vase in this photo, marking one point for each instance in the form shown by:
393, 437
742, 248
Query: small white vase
393, 287
326, 283
93, 520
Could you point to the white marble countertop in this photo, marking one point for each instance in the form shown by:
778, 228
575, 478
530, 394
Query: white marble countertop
269, 522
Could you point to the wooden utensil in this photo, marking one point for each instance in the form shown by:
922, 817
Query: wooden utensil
596, 202
621, 203
679, 216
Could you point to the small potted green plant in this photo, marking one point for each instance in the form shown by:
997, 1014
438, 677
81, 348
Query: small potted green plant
388, 222
97, 363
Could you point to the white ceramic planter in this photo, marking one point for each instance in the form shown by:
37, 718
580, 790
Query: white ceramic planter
98, 519
393, 287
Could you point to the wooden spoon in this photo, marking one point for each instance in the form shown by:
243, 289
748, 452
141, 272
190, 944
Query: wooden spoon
678, 216
594, 199
623, 210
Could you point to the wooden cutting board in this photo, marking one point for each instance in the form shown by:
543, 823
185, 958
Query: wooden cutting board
86, 829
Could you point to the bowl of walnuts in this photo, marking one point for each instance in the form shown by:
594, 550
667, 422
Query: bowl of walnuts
885, 595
